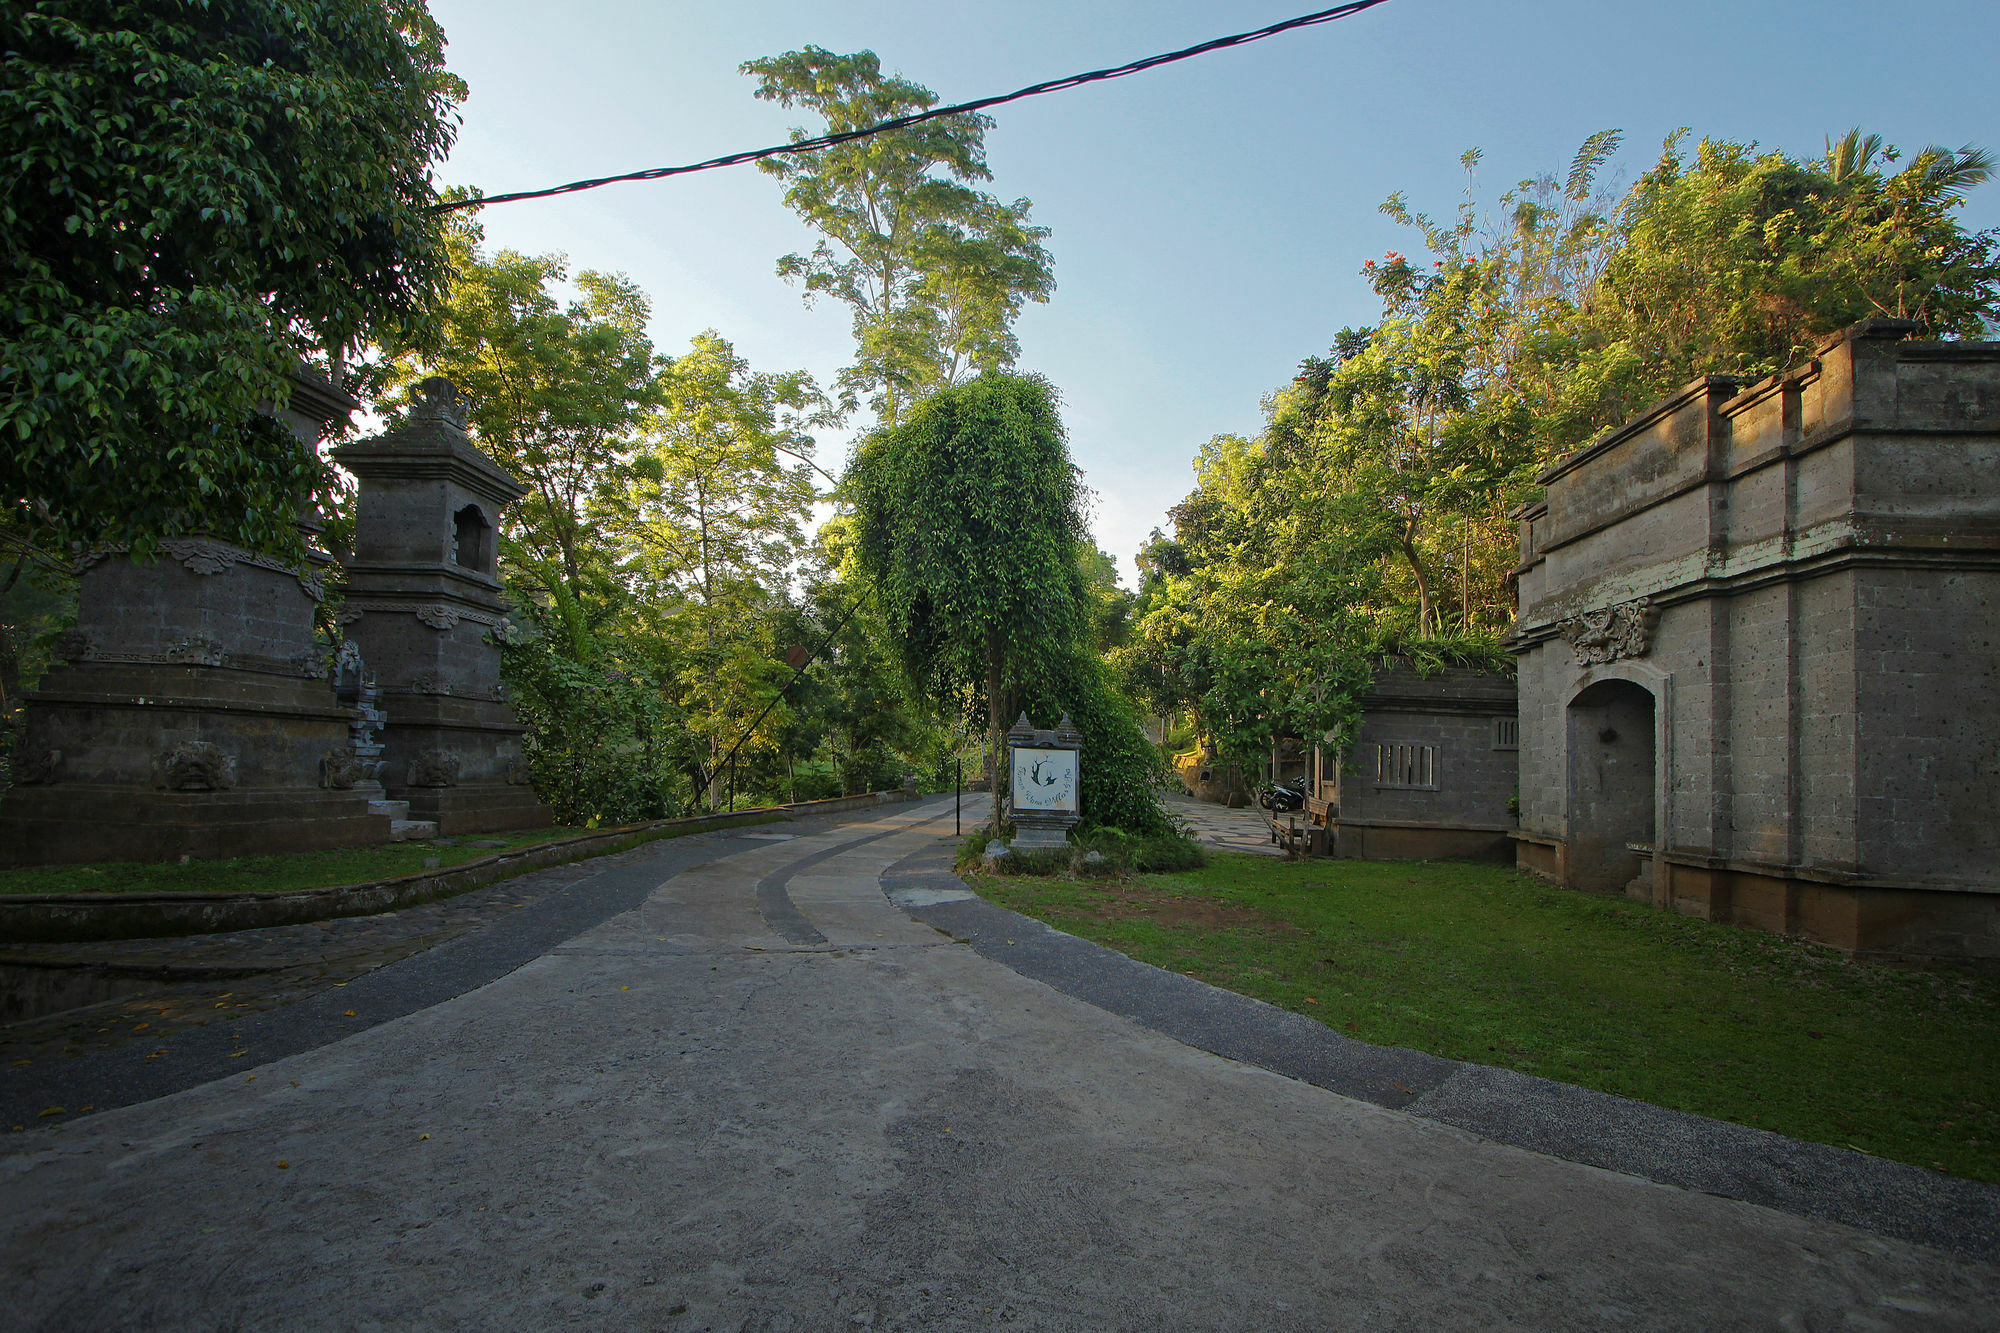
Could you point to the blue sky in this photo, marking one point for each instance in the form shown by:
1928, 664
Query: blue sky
1209, 218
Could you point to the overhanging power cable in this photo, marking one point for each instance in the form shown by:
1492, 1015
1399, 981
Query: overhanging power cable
935, 113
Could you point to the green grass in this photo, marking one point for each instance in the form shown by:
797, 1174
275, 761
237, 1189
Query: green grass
266, 874
1486, 964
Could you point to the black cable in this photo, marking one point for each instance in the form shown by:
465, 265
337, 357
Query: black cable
899, 122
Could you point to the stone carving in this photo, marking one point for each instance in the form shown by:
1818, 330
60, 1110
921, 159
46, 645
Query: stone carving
75, 646
195, 766
196, 651
355, 607
206, 555
434, 768
438, 399
341, 769
1623, 630
311, 665
347, 672
36, 768
202, 555
429, 682
519, 774
498, 693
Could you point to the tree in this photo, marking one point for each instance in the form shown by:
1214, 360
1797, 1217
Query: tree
716, 513
934, 270
968, 523
194, 198
1738, 262
558, 393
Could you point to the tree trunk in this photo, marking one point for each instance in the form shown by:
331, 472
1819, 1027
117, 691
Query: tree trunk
1426, 612
993, 727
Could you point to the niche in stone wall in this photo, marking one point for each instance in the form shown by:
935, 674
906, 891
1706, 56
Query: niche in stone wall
472, 540
1611, 783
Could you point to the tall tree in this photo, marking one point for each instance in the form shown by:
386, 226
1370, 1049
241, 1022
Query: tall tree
968, 524
193, 198
934, 270
719, 498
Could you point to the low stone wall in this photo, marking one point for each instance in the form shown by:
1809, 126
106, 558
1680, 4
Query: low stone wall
52, 918
836, 804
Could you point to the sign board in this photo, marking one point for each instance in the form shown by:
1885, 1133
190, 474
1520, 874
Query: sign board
1045, 781
1044, 767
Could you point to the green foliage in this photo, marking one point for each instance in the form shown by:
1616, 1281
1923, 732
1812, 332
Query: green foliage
606, 743
967, 518
934, 270
1370, 514
1163, 853
1738, 262
968, 524
193, 199
559, 392
719, 493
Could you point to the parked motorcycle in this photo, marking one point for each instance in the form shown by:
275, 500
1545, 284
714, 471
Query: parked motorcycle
1282, 797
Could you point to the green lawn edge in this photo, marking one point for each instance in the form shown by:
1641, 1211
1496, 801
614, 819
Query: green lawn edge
1488, 965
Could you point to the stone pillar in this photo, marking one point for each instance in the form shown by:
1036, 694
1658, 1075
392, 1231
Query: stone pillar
424, 604
192, 712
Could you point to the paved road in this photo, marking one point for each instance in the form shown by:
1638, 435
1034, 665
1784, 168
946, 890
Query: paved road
766, 1097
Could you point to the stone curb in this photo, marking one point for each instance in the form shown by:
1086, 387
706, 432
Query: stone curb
1679, 1149
75, 918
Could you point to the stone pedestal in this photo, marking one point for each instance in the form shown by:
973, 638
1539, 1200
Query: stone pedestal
192, 713
1044, 796
424, 604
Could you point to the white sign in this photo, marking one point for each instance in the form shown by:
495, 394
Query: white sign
1045, 781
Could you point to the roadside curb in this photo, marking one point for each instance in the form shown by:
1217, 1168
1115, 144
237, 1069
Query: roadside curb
1678, 1149
76, 918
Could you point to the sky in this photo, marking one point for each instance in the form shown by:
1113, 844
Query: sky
1209, 219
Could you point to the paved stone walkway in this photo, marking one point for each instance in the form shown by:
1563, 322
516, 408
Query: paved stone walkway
1245, 830
690, 1115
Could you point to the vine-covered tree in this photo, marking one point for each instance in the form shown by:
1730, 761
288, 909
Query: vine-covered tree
193, 199
968, 524
934, 270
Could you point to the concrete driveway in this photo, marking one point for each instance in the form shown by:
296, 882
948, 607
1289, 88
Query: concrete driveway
768, 1098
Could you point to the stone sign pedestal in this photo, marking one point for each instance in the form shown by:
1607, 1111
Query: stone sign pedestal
1045, 800
192, 713
424, 605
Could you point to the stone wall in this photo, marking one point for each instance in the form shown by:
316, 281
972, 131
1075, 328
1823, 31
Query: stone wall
190, 712
1431, 770
1799, 578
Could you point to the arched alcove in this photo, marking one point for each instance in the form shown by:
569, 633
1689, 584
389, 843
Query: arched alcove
472, 540
1611, 777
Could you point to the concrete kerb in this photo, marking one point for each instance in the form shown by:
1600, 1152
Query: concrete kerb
1674, 1148
74, 918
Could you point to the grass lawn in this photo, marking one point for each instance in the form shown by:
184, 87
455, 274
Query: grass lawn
267, 874
1489, 965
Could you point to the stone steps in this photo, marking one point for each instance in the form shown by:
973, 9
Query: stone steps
412, 830
393, 809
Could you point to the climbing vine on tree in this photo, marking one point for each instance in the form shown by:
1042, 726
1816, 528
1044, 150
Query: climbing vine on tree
968, 524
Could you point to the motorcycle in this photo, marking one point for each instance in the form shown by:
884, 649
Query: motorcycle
1282, 797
